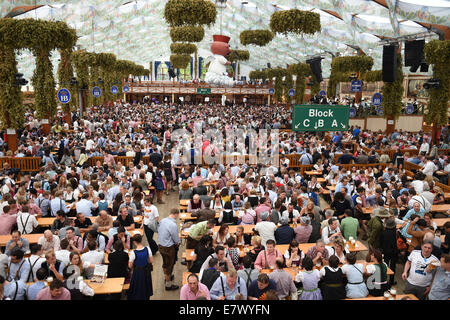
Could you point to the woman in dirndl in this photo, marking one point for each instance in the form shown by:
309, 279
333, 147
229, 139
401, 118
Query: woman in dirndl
141, 262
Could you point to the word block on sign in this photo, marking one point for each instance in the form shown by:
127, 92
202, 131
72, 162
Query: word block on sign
320, 118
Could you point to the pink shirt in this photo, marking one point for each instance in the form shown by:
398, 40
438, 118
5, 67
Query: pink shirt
259, 209
34, 209
7, 221
196, 180
187, 294
44, 294
260, 262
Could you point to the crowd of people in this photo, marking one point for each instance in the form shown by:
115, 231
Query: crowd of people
103, 209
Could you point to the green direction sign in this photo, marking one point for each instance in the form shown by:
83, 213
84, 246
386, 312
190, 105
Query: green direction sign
320, 118
203, 90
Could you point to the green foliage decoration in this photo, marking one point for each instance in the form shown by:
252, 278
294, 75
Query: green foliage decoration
12, 111
289, 83
41, 37
295, 21
315, 88
393, 92
343, 67
65, 75
187, 34
437, 53
239, 55
106, 62
257, 75
183, 48
361, 63
190, 12
372, 76
278, 74
44, 86
256, 37
180, 61
301, 71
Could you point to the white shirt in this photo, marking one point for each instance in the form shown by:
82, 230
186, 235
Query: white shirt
332, 251
220, 240
85, 289
425, 147
26, 222
266, 230
327, 232
417, 274
295, 214
429, 168
35, 262
300, 276
89, 144
424, 204
370, 268
418, 186
93, 257
213, 176
49, 245
63, 255
150, 213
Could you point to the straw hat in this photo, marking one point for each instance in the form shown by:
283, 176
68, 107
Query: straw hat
382, 213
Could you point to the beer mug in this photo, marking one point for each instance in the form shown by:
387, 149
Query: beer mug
387, 295
49, 280
394, 293
434, 264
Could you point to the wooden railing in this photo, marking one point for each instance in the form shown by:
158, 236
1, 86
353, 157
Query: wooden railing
25, 164
411, 152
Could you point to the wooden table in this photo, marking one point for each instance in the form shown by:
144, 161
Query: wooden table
332, 188
399, 297
293, 271
248, 229
189, 253
313, 173
321, 180
447, 196
44, 222
32, 238
188, 215
205, 183
184, 202
306, 246
368, 210
441, 221
111, 285
147, 192
132, 232
443, 208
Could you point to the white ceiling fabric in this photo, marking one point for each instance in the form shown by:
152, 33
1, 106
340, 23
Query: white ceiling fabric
137, 31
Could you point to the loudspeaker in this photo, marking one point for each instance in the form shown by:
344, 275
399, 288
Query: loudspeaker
390, 63
172, 73
268, 65
414, 52
316, 68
